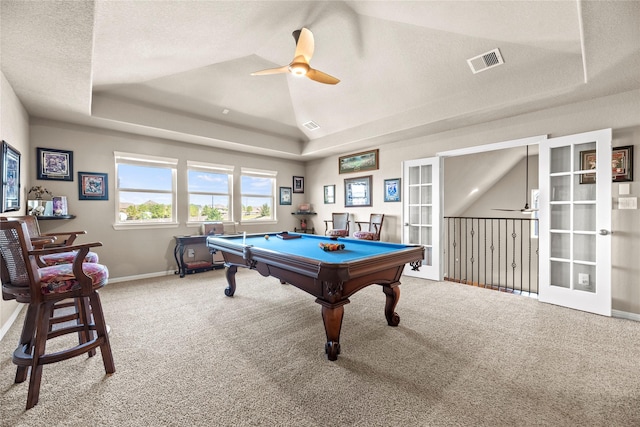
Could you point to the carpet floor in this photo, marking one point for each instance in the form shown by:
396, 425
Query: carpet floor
186, 355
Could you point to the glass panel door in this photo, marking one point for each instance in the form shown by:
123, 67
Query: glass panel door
575, 221
421, 213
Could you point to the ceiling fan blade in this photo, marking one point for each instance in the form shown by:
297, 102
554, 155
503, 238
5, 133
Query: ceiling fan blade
284, 69
506, 210
321, 77
305, 45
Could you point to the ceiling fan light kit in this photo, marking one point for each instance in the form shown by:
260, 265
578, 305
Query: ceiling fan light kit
300, 65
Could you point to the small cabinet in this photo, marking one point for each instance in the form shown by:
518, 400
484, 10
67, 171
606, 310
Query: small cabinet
195, 265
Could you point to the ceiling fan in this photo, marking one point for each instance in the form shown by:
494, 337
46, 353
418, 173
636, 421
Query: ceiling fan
526, 209
300, 64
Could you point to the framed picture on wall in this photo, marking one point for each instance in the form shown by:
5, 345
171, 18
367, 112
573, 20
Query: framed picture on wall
329, 194
93, 186
285, 195
359, 162
10, 173
357, 191
298, 184
54, 164
392, 190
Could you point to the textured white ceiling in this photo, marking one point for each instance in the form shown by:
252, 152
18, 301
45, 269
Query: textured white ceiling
170, 68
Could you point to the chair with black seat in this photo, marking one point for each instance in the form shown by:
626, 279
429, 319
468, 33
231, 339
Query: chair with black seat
42, 288
339, 225
48, 240
372, 229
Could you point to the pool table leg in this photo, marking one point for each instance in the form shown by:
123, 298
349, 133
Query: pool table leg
393, 295
231, 280
332, 317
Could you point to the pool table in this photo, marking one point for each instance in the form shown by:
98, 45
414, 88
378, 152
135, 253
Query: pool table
330, 276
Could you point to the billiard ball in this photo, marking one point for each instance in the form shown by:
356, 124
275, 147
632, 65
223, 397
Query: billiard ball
266, 236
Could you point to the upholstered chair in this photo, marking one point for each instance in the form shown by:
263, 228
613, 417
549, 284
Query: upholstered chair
339, 225
370, 230
48, 240
41, 288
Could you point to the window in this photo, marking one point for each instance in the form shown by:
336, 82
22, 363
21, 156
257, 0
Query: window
258, 189
145, 190
210, 192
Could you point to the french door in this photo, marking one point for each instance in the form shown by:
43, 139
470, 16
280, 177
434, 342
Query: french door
575, 221
421, 213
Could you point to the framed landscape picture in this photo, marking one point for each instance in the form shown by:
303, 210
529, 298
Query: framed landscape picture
359, 162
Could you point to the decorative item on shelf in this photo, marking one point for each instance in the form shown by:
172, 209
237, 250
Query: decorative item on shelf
304, 208
37, 206
60, 206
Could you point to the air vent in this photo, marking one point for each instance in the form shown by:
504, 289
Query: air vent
311, 125
485, 61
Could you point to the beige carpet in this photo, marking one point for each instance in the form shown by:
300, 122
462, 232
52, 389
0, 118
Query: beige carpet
186, 355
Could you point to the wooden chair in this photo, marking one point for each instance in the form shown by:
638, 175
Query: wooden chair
372, 229
339, 225
48, 240
42, 289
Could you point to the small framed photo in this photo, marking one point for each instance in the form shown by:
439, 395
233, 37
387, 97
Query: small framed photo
329, 194
59, 206
357, 191
392, 190
622, 163
55, 164
298, 184
285, 195
93, 186
10, 175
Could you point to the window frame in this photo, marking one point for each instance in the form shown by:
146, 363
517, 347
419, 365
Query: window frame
145, 160
210, 168
260, 173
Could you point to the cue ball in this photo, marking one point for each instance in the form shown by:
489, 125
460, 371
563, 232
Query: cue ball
266, 236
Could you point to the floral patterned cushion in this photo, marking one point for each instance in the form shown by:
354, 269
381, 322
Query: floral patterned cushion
67, 258
339, 233
60, 278
364, 235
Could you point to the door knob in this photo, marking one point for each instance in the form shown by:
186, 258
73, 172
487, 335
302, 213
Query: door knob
604, 232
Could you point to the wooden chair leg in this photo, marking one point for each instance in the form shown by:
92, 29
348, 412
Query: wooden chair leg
83, 308
42, 331
101, 329
26, 340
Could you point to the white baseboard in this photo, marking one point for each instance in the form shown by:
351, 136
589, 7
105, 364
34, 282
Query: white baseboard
5, 328
625, 315
141, 276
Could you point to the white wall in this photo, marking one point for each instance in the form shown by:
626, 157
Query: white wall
139, 252
620, 112
14, 129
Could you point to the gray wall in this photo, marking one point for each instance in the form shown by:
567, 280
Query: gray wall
138, 252
620, 112
142, 252
14, 129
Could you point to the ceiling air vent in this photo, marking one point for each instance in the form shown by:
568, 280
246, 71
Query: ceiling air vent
485, 61
311, 125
